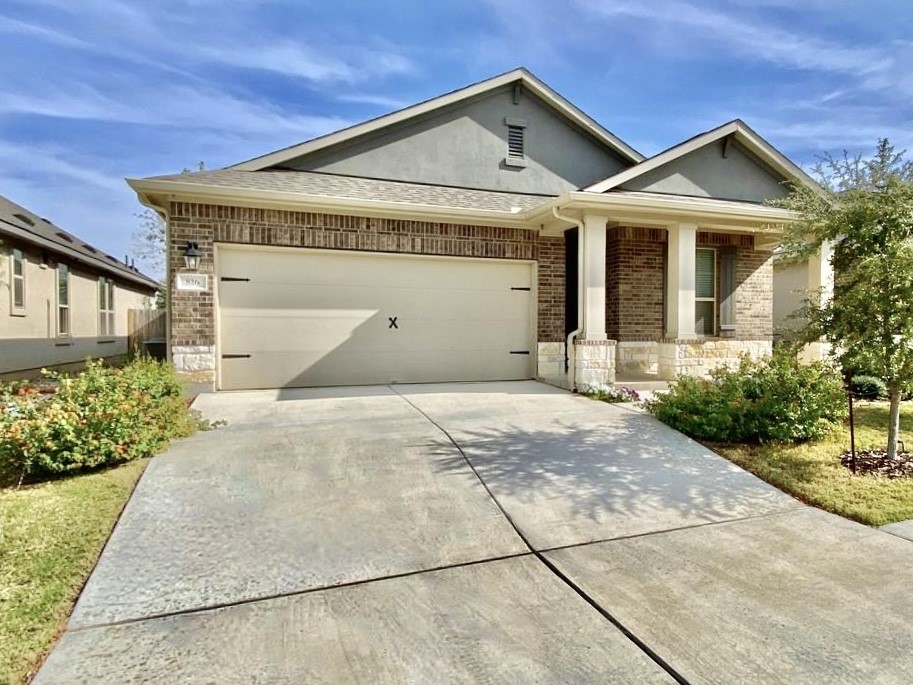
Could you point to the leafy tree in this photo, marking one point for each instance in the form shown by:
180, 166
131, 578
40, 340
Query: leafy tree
866, 214
149, 241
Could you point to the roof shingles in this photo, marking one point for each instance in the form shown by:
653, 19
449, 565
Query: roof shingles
352, 187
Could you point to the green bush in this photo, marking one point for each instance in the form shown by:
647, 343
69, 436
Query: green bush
868, 387
100, 417
772, 399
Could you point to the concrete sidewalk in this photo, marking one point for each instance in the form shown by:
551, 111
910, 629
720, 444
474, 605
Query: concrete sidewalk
500, 532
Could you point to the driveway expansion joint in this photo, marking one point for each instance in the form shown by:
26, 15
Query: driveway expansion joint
294, 593
540, 555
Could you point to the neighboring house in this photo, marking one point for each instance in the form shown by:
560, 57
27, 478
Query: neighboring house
496, 232
61, 300
795, 282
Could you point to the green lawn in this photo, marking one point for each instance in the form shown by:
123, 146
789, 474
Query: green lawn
52, 534
812, 472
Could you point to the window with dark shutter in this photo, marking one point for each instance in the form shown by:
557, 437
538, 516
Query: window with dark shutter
728, 263
705, 292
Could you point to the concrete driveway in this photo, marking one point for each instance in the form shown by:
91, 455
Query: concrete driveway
492, 532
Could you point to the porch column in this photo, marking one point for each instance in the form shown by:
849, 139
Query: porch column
680, 281
592, 242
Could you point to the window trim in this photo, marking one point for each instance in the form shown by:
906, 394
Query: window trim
713, 299
17, 310
106, 318
64, 306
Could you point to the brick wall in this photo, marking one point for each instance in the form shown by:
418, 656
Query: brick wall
551, 289
754, 284
192, 320
635, 261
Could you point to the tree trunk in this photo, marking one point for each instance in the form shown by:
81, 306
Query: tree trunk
894, 425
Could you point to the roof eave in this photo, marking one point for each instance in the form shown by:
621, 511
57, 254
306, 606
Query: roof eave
94, 263
159, 192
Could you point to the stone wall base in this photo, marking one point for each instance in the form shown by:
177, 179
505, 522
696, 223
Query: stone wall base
594, 363
550, 364
699, 357
188, 358
637, 357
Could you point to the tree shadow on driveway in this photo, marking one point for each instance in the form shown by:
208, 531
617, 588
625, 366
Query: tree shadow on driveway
572, 481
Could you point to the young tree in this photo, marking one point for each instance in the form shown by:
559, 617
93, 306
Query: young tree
149, 241
867, 217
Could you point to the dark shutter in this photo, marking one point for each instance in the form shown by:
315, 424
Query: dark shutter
728, 263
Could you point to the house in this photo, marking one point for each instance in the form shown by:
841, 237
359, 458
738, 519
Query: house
495, 232
794, 283
61, 300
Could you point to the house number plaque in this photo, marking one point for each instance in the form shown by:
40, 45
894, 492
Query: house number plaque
193, 282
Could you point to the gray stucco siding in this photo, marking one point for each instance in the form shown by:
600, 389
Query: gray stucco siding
707, 173
466, 145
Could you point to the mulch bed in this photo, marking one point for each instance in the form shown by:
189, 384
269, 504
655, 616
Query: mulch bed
877, 462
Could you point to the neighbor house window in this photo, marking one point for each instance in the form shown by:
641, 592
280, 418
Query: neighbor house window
705, 292
17, 292
63, 300
105, 307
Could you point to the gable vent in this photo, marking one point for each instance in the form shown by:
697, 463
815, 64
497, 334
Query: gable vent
515, 141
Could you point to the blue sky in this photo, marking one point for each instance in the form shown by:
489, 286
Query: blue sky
96, 90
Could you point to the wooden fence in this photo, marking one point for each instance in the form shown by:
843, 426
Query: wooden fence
144, 325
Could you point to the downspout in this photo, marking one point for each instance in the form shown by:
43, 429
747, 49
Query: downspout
569, 344
165, 214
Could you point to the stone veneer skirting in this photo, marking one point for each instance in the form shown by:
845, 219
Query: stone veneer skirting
188, 358
594, 363
551, 363
699, 357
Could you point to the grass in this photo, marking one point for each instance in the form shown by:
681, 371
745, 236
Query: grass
51, 536
812, 472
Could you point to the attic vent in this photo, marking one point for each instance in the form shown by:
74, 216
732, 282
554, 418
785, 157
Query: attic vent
515, 141
89, 248
65, 236
24, 219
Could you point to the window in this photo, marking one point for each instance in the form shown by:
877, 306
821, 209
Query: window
63, 300
105, 307
17, 292
705, 292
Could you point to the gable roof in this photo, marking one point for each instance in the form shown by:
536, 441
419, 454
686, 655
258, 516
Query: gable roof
20, 223
737, 128
520, 75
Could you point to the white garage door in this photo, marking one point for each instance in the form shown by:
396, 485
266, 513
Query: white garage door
295, 318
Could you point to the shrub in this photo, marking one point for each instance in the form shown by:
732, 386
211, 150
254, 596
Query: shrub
868, 387
772, 399
101, 417
611, 394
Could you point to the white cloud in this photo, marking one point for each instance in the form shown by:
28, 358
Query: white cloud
299, 60
749, 38
178, 106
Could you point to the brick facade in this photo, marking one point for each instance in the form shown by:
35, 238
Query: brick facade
635, 268
192, 318
635, 264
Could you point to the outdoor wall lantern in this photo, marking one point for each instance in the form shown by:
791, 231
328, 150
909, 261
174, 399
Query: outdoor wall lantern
192, 256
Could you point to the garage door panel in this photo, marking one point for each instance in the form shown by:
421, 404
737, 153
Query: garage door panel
249, 333
319, 318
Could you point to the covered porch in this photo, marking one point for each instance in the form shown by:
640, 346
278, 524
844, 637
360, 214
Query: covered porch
660, 286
